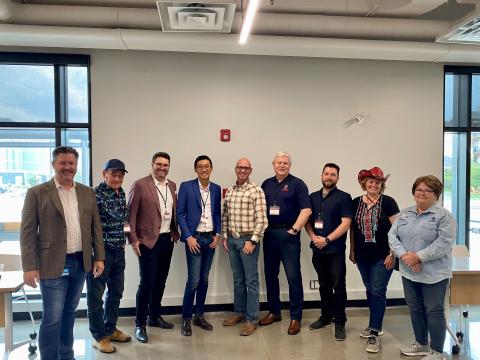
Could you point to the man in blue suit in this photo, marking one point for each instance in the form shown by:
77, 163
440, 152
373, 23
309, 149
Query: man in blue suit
199, 217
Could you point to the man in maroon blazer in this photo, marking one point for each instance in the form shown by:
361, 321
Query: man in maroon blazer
153, 231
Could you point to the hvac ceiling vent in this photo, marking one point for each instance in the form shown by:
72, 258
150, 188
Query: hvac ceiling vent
466, 31
200, 16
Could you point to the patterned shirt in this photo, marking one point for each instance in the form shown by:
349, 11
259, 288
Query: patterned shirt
245, 210
113, 214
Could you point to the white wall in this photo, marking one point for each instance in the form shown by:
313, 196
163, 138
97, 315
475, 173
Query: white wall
143, 102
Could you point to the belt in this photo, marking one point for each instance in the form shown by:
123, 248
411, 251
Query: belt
239, 234
75, 254
279, 226
164, 234
204, 233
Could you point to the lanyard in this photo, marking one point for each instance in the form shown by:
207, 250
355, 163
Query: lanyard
204, 201
166, 195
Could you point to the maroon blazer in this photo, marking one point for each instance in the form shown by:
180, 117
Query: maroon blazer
144, 212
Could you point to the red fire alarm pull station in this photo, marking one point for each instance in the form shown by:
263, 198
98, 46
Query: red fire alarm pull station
225, 135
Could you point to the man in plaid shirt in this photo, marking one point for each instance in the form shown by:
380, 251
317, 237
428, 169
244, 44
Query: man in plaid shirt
244, 220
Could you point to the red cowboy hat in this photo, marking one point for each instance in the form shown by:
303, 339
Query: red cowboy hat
373, 173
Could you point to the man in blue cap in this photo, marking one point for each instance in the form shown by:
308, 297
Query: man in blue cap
113, 211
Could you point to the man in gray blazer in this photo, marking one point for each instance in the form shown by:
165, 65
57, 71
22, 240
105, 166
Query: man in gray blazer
59, 235
153, 230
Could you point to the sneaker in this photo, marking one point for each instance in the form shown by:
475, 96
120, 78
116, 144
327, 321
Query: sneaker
119, 336
416, 349
434, 355
373, 344
104, 346
320, 323
340, 333
366, 333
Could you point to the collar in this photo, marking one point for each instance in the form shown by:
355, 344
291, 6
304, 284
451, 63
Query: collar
334, 189
243, 186
288, 177
200, 185
156, 182
103, 185
59, 186
432, 209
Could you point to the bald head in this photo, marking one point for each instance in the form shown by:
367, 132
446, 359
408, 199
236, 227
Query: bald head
243, 169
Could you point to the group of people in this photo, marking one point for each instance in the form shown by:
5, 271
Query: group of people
70, 233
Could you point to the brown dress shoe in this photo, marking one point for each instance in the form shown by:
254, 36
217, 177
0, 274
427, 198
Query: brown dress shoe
119, 336
104, 346
294, 327
234, 320
270, 319
248, 329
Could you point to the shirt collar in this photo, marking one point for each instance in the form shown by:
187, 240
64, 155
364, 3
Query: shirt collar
59, 186
158, 182
432, 209
243, 186
200, 186
108, 189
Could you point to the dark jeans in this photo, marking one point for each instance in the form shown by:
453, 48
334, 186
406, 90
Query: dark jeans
331, 271
197, 282
245, 278
426, 303
281, 247
375, 277
60, 299
154, 265
103, 322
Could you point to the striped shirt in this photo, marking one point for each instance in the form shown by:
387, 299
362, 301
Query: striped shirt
245, 211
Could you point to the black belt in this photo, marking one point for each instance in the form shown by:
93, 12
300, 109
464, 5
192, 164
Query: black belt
204, 233
279, 226
76, 254
165, 234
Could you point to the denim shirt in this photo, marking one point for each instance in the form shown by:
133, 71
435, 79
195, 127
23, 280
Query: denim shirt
113, 211
430, 235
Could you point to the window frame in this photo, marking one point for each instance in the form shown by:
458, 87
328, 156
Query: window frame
60, 63
467, 130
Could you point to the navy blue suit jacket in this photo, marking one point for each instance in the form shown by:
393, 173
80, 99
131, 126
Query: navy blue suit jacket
189, 208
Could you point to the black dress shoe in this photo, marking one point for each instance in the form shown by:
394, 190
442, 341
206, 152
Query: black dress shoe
186, 327
201, 322
160, 323
141, 334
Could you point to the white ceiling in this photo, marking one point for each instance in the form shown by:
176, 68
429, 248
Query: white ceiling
384, 29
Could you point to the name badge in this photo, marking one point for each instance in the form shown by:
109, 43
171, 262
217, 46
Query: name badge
167, 215
318, 224
126, 228
274, 210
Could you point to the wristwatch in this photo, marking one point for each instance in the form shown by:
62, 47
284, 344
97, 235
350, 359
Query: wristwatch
254, 243
294, 230
327, 240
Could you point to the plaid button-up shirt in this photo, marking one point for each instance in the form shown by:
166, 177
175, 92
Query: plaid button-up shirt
245, 211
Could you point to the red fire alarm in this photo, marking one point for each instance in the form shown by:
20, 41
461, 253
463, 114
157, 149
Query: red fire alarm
225, 135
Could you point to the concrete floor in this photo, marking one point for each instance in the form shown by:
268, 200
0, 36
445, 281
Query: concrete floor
271, 342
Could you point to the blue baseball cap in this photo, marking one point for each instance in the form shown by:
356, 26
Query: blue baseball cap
114, 164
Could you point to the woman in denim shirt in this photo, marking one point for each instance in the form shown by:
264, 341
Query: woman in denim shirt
422, 237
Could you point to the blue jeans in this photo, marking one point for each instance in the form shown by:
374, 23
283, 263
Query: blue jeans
280, 246
197, 282
427, 313
103, 323
245, 278
375, 277
60, 299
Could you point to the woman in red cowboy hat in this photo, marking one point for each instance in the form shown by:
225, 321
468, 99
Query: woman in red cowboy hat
369, 249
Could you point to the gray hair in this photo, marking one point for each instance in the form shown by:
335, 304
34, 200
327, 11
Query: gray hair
281, 154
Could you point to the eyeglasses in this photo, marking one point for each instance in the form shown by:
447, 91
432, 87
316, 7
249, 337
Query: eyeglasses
423, 191
243, 168
203, 167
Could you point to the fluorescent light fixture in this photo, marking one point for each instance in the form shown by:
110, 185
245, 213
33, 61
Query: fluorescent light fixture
247, 23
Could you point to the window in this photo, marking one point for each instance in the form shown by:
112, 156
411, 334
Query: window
44, 103
461, 158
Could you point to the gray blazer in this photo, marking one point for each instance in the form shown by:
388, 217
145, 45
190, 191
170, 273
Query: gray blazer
43, 233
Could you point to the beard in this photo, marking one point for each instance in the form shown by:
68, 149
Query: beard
330, 185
